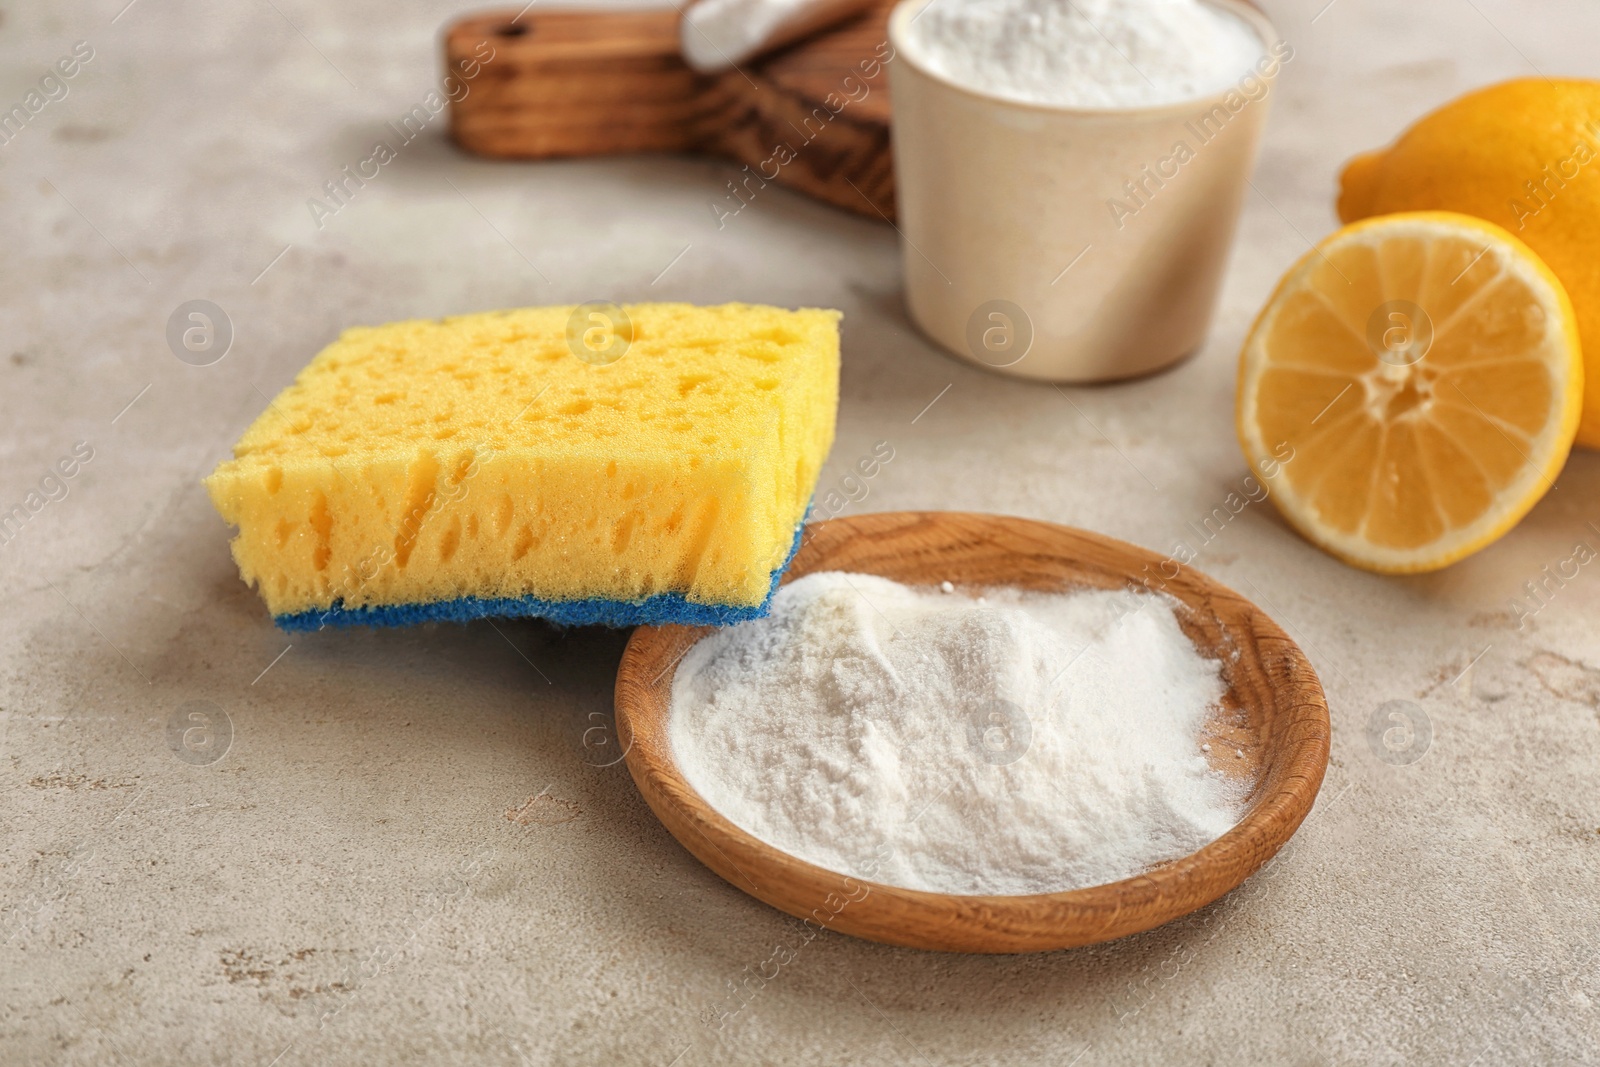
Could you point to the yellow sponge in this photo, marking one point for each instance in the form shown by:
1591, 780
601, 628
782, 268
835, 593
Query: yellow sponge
476, 465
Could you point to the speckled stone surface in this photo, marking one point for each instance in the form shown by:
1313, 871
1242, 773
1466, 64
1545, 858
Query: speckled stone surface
408, 846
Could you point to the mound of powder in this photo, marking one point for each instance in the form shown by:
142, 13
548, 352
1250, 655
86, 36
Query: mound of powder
1015, 743
1085, 53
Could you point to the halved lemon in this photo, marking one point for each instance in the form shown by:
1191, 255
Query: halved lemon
1411, 390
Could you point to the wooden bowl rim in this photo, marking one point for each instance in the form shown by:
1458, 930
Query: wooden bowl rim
1287, 786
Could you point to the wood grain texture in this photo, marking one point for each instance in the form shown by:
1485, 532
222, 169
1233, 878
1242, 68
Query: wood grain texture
1274, 715
814, 116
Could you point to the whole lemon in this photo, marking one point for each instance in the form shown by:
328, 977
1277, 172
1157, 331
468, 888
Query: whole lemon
1524, 154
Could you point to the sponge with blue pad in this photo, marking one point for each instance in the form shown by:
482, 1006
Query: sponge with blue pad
520, 463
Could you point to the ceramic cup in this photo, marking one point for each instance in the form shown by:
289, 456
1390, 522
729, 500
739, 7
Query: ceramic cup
1064, 244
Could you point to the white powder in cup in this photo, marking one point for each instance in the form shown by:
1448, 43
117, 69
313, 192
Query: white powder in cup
1085, 53
1026, 744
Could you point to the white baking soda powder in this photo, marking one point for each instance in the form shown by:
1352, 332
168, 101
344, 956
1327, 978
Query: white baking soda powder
1024, 743
1085, 53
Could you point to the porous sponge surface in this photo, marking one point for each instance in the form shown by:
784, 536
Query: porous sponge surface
596, 611
477, 460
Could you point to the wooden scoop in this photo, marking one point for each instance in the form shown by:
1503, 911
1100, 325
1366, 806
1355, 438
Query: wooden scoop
814, 116
714, 35
1271, 734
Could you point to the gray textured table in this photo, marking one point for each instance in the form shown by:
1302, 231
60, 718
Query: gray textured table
403, 854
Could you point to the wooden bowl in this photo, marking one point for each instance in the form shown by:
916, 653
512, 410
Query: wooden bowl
1272, 732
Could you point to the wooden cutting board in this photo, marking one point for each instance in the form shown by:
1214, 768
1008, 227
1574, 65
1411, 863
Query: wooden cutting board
813, 117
